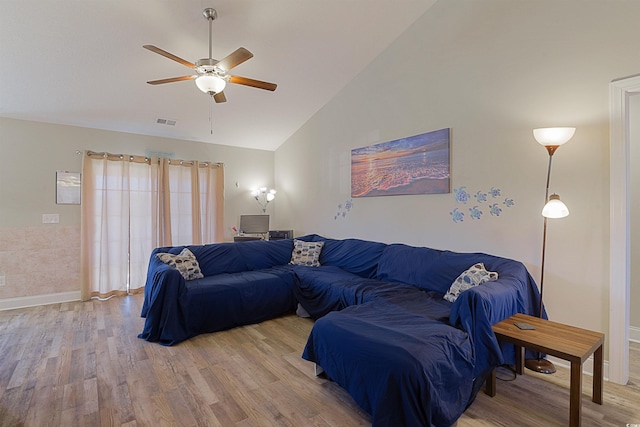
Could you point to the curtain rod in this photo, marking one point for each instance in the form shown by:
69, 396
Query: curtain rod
146, 159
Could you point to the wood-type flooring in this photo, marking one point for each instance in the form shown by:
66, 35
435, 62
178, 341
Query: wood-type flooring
81, 364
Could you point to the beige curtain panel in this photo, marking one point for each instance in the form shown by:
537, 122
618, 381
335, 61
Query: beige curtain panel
133, 204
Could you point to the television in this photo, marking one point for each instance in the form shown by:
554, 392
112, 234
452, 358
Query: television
254, 224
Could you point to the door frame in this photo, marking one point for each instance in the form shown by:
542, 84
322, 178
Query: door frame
619, 230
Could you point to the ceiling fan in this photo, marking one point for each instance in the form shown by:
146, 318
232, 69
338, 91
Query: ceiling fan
212, 75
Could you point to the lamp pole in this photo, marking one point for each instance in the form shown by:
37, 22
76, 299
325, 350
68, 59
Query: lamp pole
551, 149
539, 364
551, 139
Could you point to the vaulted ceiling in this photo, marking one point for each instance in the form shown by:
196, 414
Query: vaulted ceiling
81, 62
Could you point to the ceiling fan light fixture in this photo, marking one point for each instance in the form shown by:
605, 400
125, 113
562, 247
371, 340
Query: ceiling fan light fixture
210, 84
211, 76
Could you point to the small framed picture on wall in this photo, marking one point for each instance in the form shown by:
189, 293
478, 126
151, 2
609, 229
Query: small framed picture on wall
67, 188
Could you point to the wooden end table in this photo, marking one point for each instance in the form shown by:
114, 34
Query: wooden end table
565, 342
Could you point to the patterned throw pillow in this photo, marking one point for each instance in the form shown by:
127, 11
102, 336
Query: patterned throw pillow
306, 253
474, 276
186, 263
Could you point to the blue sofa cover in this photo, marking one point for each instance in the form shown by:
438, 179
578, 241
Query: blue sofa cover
407, 356
382, 331
244, 283
398, 358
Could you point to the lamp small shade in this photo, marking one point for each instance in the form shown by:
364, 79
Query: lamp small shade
210, 84
555, 208
553, 136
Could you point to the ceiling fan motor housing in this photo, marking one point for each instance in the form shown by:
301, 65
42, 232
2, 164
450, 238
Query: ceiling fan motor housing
208, 66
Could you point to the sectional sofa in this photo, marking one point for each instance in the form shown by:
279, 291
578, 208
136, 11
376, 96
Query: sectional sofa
385, 329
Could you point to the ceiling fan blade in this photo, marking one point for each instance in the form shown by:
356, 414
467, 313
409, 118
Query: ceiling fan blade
172, 79
219, 97
234, 59
169, 55
253, 83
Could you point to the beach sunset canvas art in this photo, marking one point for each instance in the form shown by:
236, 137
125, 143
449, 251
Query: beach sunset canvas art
415, 165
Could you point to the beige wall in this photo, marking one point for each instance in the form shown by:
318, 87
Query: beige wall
40, 259
492, 71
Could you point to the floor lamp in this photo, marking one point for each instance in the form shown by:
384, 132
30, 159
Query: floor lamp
551, 139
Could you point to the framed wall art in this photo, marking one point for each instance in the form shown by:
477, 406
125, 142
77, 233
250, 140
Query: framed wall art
418, 164
67, 188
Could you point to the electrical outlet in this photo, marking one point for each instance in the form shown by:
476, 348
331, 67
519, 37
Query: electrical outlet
50, 218
3, 281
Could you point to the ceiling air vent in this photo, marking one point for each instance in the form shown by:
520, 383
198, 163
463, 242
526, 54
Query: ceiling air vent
168, 122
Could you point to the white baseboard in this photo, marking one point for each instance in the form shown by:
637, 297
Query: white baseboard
634, 334
587, 367
32, 301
